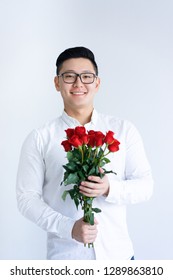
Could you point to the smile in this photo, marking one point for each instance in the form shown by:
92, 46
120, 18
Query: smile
78, 93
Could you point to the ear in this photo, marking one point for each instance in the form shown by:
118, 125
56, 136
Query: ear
56, 82
97, 83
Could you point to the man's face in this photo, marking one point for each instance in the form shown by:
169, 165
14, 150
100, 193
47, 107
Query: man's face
77, 95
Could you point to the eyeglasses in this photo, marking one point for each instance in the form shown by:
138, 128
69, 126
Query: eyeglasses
70, 77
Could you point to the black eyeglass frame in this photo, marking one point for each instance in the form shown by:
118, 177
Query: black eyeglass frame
77, 75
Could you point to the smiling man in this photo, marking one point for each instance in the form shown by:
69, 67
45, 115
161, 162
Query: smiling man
40, 172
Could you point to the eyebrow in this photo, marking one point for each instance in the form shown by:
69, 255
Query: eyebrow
73, 71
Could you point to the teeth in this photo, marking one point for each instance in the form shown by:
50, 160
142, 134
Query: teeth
78, 93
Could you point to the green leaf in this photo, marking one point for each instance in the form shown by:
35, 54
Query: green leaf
69, 155
102, 163
100, 154
71, 166
97, 171
65, 193
89, 200
85, 167
92, 171
72, 179
76, 201
81, 175
64, 166
102, 175
107, 160
96, 210
72, 193
66, 175
77, 154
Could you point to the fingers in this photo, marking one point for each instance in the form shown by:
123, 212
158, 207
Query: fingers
89, 189
95, 179
96, 186
94, 183
84, 232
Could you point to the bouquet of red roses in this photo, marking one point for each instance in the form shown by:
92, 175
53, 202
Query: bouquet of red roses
86, 154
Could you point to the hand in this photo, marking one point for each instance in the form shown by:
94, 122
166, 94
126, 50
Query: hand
96, 186
84, 232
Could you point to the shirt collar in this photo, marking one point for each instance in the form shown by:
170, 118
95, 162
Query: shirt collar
71, 122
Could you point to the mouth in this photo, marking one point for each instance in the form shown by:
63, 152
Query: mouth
78, 93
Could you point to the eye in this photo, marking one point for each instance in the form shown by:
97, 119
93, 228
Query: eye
87, 76
69, 75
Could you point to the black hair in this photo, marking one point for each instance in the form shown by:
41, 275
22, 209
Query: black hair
75, 52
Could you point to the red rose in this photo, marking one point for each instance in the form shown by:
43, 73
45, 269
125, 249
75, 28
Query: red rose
69, 132
84, 138
109, 137
91, 139
114, 147
75, 141
99, 137
90, 132
80, 130
66, 145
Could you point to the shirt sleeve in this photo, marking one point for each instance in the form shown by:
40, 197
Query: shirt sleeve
137, 184
30, 180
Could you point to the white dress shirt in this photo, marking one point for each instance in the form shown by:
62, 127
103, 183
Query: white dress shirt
39, 192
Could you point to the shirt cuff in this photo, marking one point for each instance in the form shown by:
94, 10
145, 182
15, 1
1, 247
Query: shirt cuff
115, 189
65, 228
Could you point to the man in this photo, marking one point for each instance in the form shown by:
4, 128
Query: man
39, 192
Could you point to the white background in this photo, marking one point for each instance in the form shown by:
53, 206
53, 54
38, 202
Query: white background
133, 44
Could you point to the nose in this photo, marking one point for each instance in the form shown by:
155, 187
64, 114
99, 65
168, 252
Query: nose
78, 82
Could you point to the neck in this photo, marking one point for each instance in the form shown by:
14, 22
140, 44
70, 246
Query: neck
82, 115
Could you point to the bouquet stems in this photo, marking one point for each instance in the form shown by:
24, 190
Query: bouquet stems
88, 213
